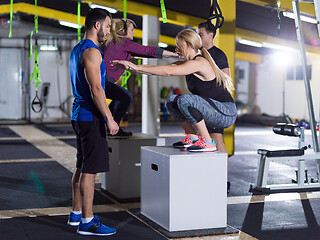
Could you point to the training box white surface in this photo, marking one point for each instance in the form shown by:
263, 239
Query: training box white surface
123, 179
181, 190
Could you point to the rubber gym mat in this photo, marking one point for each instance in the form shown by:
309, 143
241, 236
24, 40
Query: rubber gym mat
71, 142
56, 129
55, 227
294, 220
183, 234
37, 185
7, 132
19, 149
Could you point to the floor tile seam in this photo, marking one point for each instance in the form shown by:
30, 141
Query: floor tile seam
248, 199
65, 137
57, 211
50, 125
247, 237
31, 160
66, 161
11, 138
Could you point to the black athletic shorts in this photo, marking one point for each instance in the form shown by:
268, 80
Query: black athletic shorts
92, 146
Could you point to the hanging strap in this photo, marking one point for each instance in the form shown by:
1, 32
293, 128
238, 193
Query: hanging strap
163, 11
11, 13
36, 71
79, 21
215, 19
31, 46
125, 77
36, 104
125, 9
278, 17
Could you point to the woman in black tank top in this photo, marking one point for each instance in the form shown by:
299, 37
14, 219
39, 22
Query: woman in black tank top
210, 105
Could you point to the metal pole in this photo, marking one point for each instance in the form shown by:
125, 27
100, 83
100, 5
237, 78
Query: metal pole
317, 10
297, 20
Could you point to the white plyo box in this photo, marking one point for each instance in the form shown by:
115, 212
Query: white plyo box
123, 179
183, 190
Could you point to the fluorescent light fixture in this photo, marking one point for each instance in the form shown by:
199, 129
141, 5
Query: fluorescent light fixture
163, 45
278, 47
266, 45
249, 43
48, 48
111, 10
302, 17
69, 24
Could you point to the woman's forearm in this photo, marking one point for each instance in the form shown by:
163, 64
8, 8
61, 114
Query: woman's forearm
153, 70
168, 54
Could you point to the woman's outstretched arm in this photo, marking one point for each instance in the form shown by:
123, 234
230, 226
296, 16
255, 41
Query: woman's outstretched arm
174, 69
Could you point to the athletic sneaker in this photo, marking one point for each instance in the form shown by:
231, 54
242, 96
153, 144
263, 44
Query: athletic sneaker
121, 134
186, 142
95, 227
74, 219
203, 145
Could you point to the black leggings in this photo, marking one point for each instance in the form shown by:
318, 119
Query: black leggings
121, 99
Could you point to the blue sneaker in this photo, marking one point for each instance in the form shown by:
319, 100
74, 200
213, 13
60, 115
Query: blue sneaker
95, 227
74, 219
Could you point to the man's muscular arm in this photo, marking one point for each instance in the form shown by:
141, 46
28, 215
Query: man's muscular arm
91, 60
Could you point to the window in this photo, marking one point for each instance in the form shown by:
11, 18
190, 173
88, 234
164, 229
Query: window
296, 72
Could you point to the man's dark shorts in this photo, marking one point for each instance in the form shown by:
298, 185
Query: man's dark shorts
92, 146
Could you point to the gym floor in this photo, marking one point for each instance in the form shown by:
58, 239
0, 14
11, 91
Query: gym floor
37, 161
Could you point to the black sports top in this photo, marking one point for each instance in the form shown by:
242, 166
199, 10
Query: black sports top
219, 57
208, 89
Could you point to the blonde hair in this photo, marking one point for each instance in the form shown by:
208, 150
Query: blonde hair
118, 29
193, 40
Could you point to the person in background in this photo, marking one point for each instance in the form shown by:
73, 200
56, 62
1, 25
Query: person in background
207, 35
120, 46
209, 106
89, 117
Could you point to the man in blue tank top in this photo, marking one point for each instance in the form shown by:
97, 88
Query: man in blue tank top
90, 114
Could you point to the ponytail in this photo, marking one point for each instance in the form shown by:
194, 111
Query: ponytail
222, 79
116, 30
192, 39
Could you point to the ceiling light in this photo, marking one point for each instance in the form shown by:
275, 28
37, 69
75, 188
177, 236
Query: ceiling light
278, 47
69, 24
302, 17
163, 45
111, 10
48, 48
265, 44
249, 43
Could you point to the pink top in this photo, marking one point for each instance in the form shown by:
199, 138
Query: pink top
123, 51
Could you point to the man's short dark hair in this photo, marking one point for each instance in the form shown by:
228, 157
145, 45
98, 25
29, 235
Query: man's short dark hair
96, 15
207, 27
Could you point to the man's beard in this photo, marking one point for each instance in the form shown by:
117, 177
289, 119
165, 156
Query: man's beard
100, 35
